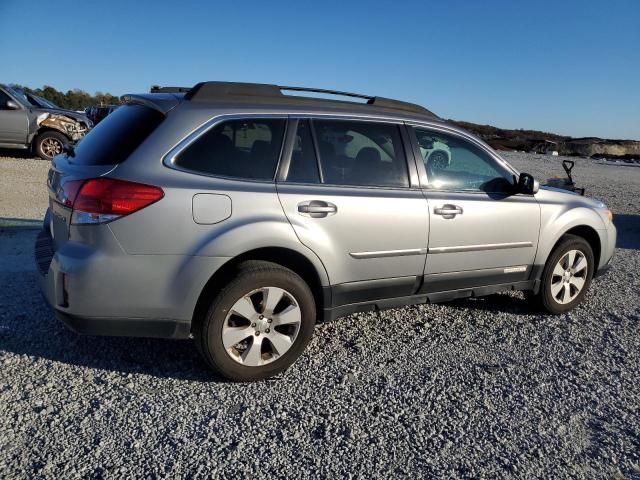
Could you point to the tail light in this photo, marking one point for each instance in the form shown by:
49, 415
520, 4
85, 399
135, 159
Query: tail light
101, 200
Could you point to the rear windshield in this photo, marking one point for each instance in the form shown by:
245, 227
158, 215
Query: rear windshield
117, 136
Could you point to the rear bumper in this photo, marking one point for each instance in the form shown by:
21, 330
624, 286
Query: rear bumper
106, 292
53, 293
125, 327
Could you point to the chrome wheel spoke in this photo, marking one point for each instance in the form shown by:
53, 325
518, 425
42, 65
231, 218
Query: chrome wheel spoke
280, 342
571, 257
556, 288
566, 294
578, 283
244, 308
252, 356
581, 264
272, 296
290, 315
233, 335
558, 271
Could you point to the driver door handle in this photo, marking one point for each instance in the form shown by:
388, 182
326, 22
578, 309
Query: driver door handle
448, 211
317, 208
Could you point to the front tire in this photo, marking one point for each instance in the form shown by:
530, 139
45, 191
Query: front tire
566, 276
258, 324
49, 144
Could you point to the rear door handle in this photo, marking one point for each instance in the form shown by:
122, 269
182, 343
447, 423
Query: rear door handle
448, 211
317, 208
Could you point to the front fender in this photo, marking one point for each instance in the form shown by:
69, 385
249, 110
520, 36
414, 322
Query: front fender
557, 222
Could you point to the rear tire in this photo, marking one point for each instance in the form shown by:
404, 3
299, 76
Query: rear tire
566, 276
258, 324
49, 144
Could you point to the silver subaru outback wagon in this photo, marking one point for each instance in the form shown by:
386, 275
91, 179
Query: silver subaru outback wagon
242, 214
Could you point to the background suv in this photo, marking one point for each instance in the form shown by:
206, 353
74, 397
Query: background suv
29, 121
242, 215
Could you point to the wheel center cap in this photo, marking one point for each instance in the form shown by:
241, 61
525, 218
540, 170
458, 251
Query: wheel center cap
262, 324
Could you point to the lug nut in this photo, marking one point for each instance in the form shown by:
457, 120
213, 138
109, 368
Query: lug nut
261, 317
257, 334
253, 325
267, 330
270, 320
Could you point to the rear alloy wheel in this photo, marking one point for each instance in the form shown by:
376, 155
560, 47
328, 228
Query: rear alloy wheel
566, 276
261, 326
49, 144
258, 324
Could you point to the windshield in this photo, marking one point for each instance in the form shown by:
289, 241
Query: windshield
43, 102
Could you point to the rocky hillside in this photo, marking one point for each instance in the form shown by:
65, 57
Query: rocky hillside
543, 142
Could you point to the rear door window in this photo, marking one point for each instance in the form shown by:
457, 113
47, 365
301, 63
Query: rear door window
114, 139
361, 153
247, 149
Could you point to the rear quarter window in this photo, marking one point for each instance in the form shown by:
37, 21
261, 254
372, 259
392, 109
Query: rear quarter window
247, 149
115, 138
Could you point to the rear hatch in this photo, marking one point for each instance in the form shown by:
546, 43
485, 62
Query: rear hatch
105, 147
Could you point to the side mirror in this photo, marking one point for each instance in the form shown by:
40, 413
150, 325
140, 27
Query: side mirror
527, 184
11, 105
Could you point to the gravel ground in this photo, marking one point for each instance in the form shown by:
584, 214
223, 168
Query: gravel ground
473, 388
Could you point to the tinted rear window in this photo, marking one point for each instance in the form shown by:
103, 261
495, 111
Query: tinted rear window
117, 136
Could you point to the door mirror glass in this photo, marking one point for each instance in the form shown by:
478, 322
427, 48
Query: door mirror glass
527, 184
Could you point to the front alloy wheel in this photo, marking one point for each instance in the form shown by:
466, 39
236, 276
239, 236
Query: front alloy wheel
569, 276
566, 276
49, 144
51, 147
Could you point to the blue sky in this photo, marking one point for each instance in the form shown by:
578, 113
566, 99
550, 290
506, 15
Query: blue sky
570, 67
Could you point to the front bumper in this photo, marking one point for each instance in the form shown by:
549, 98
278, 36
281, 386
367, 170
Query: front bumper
608, 239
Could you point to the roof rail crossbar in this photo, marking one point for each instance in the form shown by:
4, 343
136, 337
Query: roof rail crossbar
329, 92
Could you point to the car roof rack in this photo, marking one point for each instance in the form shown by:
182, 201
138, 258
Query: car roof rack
221, 91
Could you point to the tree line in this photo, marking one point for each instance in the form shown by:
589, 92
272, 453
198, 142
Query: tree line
75, 99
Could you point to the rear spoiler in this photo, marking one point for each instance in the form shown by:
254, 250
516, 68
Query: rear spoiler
162, 102
159, 89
